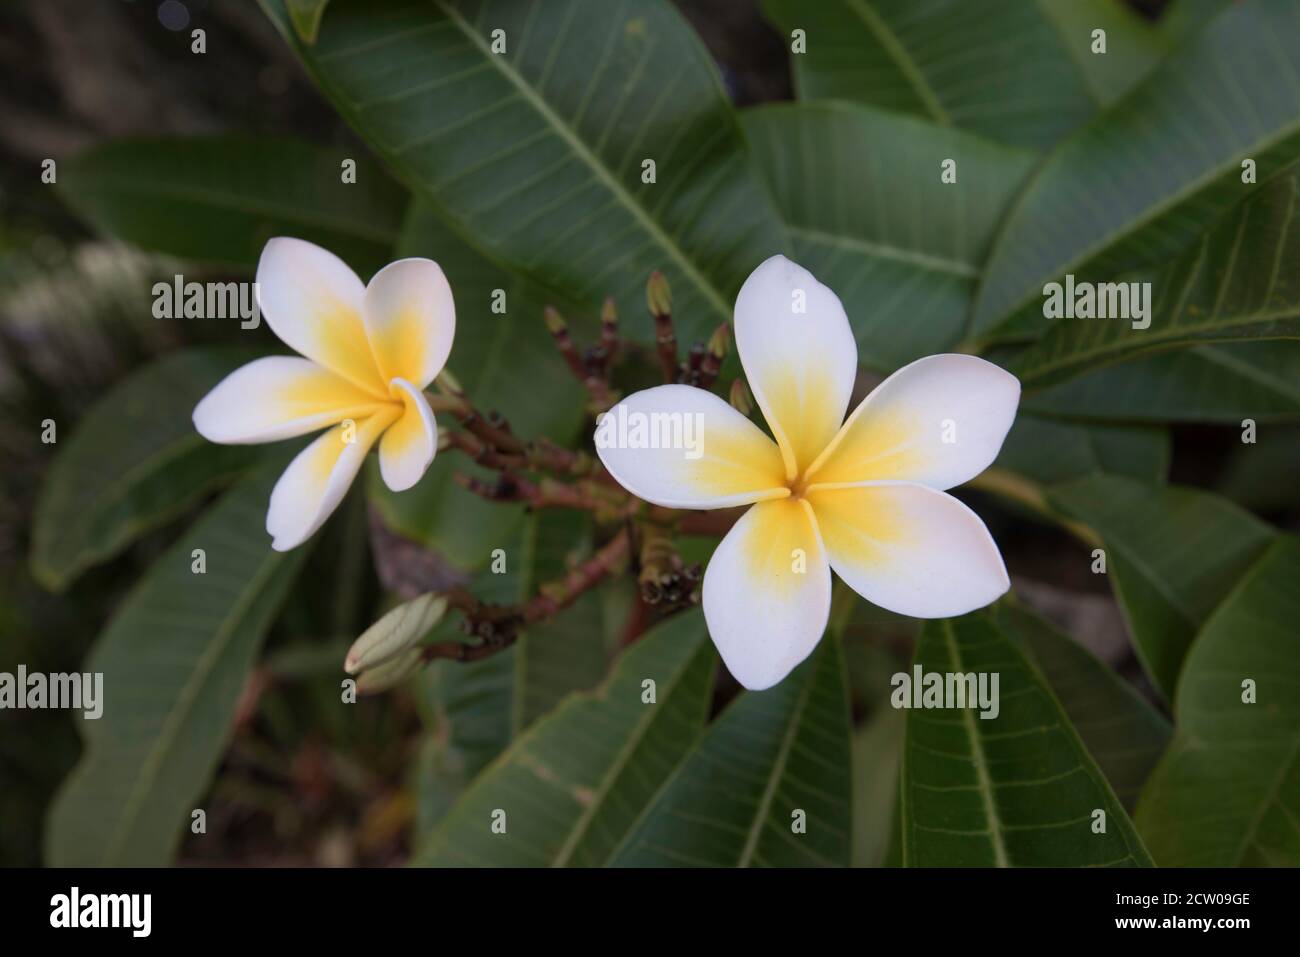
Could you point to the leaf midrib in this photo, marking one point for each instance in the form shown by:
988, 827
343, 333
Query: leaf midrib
979, 760
1125, 229
778, 768
593, 162
877, 250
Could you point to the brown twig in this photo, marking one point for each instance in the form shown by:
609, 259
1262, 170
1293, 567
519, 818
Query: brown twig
498, 626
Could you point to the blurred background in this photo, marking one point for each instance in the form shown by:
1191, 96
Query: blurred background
300, 785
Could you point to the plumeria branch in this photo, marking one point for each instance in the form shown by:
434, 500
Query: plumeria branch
498, 626
539, 473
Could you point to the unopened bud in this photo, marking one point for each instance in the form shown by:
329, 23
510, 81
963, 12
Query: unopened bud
609, 312
740, 398
448, 384
554, 321
658, 296
394, 633
391, 673
719, 341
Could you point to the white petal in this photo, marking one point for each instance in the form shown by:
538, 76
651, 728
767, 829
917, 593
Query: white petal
799, 356
409, 445
313, 302
683, 447
318, 478
910, 549
767, 592
411, 320
939, 421
277, 398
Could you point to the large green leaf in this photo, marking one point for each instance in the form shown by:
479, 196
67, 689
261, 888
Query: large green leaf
575, 783
1124, 734
1239, 282
538, 150
774, 760
1019, 789
490, 350
1172, 553
1227, 793
1224, 382
174, 659
133, 462
1000, 69
1143, 180
1048, 451
861, 192
219, 199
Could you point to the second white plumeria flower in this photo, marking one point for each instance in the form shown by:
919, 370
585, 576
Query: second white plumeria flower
863, 496
370, 351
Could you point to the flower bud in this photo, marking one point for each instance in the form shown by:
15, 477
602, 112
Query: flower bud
658, 296
389, 674
719, 341
740, 398
554, 321
395, 632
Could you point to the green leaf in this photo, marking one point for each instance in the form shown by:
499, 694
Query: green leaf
1225, 793
1145, 178
1050, 451
1133, 46
538, 150
1003, 70
1017, 790
576, 782
1239, 282
869, 215
1124, 734
219, 199
133, 463
306, 15
174, 658
733, 802
1224, 382
490, 350
1172, 554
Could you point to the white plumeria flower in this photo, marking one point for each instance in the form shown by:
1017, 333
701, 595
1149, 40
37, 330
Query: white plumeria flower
370, 351
863, 496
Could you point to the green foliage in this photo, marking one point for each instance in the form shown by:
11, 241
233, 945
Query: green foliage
1018, 790
174, 658
1172, 554
1225, 792
133, 462
768, 786
1128, 191
578, 780
539, 151
243, 190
